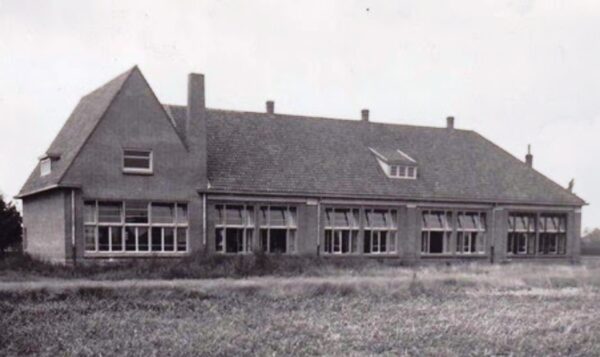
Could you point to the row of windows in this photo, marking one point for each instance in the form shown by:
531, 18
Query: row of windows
135, 226
530, 234
437, 228
142, 226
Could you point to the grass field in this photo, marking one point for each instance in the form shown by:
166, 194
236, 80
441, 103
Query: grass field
519, 309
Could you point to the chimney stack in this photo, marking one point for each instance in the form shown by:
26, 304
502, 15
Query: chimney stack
270, 107
571, 185
364, 115
450, 122
529, 157
194, 130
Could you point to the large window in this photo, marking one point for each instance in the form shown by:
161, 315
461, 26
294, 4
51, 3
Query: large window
278, 229
552, 235
135, 227
470, 233
137, 161
234, 228
521, 233
380, 231
436, 232
341, 230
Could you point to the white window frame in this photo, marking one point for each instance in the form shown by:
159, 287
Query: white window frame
291, 234
45, 166
399, 171
336, 232
248, 228
469, 234
122, 225
447, 233
522, 235
135, 170
376, 235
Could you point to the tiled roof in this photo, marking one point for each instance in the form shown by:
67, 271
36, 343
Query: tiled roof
75, 133
258, 152
286, 154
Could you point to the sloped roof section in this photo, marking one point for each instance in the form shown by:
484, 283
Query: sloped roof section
393, 156
256, 152
74, 134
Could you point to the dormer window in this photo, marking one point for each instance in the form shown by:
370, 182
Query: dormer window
396, 164
45, 166
400, 171
137, 161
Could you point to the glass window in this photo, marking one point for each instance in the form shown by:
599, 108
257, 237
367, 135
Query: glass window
436, 232
137, 160
109, 212
169, 239
136, 212
142, 235
89, 212
90, 238
234, 232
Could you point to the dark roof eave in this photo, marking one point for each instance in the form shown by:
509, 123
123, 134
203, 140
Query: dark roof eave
379, 197
45, 189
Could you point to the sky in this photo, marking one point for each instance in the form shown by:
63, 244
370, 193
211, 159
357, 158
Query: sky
518, 72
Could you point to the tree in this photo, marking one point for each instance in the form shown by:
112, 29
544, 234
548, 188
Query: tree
10, 225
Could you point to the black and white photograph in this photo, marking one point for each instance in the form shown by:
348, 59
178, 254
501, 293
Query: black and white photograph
294, 178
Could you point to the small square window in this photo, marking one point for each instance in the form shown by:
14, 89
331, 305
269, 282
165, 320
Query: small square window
137, 161
45, 167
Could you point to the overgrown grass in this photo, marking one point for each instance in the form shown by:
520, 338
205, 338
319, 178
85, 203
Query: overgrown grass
331, 308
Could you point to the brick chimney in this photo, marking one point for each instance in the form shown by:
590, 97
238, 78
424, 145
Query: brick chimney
270, 107
450, 122
364, 115
195, 126
529, 157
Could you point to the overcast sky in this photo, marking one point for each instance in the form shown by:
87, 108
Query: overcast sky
518, 72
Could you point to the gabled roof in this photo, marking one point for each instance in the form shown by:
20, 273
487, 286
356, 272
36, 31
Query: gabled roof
257, 152
393, 156
74, 134
298, 155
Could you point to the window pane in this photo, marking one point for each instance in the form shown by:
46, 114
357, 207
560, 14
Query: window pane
117, 238
234, 215
156, 239
411, 172
329, 217
135, 163
169, 236
181, 239
278, 216
391, 243
90, 238
136, 212
109, 212
130, 238
143, 239
264, 216
182, 213
89, 212
377, 218
278, 241
163, 213
103, 238
136, 153
234, 240
328, 241
367, 241
220, 215
249, 216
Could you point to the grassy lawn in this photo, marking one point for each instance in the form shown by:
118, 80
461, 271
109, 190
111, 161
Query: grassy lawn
519, 309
